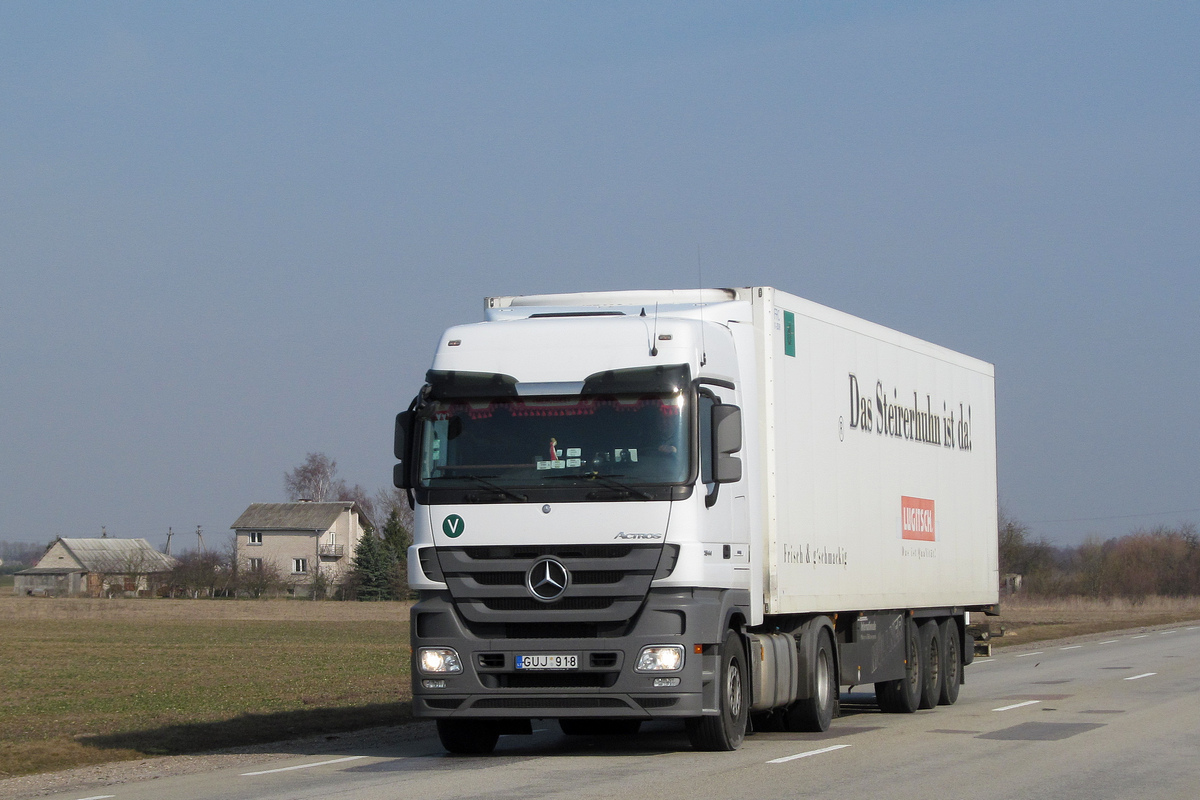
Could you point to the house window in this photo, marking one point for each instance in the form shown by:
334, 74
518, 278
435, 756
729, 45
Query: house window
255, 537
256, 565
299, 565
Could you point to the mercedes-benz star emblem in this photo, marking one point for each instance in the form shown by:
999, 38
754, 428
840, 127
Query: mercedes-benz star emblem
547, 580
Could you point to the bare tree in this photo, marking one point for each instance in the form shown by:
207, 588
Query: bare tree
314, 480
389, 500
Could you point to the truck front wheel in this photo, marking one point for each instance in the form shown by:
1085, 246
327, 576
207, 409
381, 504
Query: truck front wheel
726, 730
468, 737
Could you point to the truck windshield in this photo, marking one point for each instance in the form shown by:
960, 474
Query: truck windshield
533, 442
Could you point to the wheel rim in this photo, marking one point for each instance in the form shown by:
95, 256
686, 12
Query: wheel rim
934, 660
914, 665
823, 679
734, 690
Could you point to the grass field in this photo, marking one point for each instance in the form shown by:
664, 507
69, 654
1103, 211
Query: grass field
1031, 620
89, 681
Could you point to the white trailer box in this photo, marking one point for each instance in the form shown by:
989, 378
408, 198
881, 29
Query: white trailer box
879, 457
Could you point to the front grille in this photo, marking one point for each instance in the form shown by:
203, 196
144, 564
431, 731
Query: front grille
556, 680
529, 604
550, 702
552, 630
491, 660
607, 586
602, 660
656, 702
443, 703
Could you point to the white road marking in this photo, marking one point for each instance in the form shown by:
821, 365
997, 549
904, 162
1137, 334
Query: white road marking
809, 753
1110, 641
1072, 647
1140, 636
1017, 705
983, 661
1192, 629
99, 797
1026, 655
1164, 633
1143, 675
304, 766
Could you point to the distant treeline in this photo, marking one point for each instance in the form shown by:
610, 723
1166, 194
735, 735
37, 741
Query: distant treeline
19, 555
1162, 561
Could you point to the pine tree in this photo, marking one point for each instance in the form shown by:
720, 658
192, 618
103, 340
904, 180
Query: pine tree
374, 562
397, 539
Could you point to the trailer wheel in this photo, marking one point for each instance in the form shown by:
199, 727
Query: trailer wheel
726, 730
931, 655
468, 737
951, 662
903, 695
817, 712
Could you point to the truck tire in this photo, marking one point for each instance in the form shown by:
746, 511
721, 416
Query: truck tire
931, 667
726, 730
817, 712
903, 695
468, 737
951, 662
583, 726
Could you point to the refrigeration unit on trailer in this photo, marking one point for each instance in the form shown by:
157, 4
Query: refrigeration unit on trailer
718, 506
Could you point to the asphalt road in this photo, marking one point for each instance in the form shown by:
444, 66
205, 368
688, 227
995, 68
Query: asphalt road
1113, 716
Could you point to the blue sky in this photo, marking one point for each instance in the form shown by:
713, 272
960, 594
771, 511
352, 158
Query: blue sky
231, 232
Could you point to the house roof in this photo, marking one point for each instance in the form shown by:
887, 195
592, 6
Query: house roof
117, 555
295, 516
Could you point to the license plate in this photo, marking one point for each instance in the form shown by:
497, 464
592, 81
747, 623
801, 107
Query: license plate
548, 662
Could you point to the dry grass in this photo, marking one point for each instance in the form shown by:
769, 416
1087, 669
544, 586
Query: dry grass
1027, 619
87, 681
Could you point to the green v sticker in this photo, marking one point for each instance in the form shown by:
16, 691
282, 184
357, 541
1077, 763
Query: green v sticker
453, 526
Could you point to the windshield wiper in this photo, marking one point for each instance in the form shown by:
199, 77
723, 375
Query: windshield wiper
611, 482
482, 481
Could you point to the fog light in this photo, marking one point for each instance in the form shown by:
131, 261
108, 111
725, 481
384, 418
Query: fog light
666, 682
438, 660
435, 684
660, 658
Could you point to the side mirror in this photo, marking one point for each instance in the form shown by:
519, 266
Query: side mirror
727, 439
401, 475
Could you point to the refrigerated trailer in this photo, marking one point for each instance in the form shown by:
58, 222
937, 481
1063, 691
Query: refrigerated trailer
718, 506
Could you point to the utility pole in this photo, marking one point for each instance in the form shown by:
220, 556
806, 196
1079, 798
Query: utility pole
170, 533
200, 538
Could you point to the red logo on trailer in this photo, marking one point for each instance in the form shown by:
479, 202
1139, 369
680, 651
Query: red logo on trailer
916, 519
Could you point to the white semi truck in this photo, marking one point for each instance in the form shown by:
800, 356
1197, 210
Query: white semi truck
716, 505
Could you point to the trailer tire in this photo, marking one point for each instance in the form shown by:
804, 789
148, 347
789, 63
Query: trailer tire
727, 729
951, 663
468, 737
816, 713
903, 695
931, 667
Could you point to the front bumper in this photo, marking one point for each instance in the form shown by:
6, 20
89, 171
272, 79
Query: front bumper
604, 682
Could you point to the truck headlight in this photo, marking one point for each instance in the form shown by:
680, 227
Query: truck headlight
438, 661
660, 658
